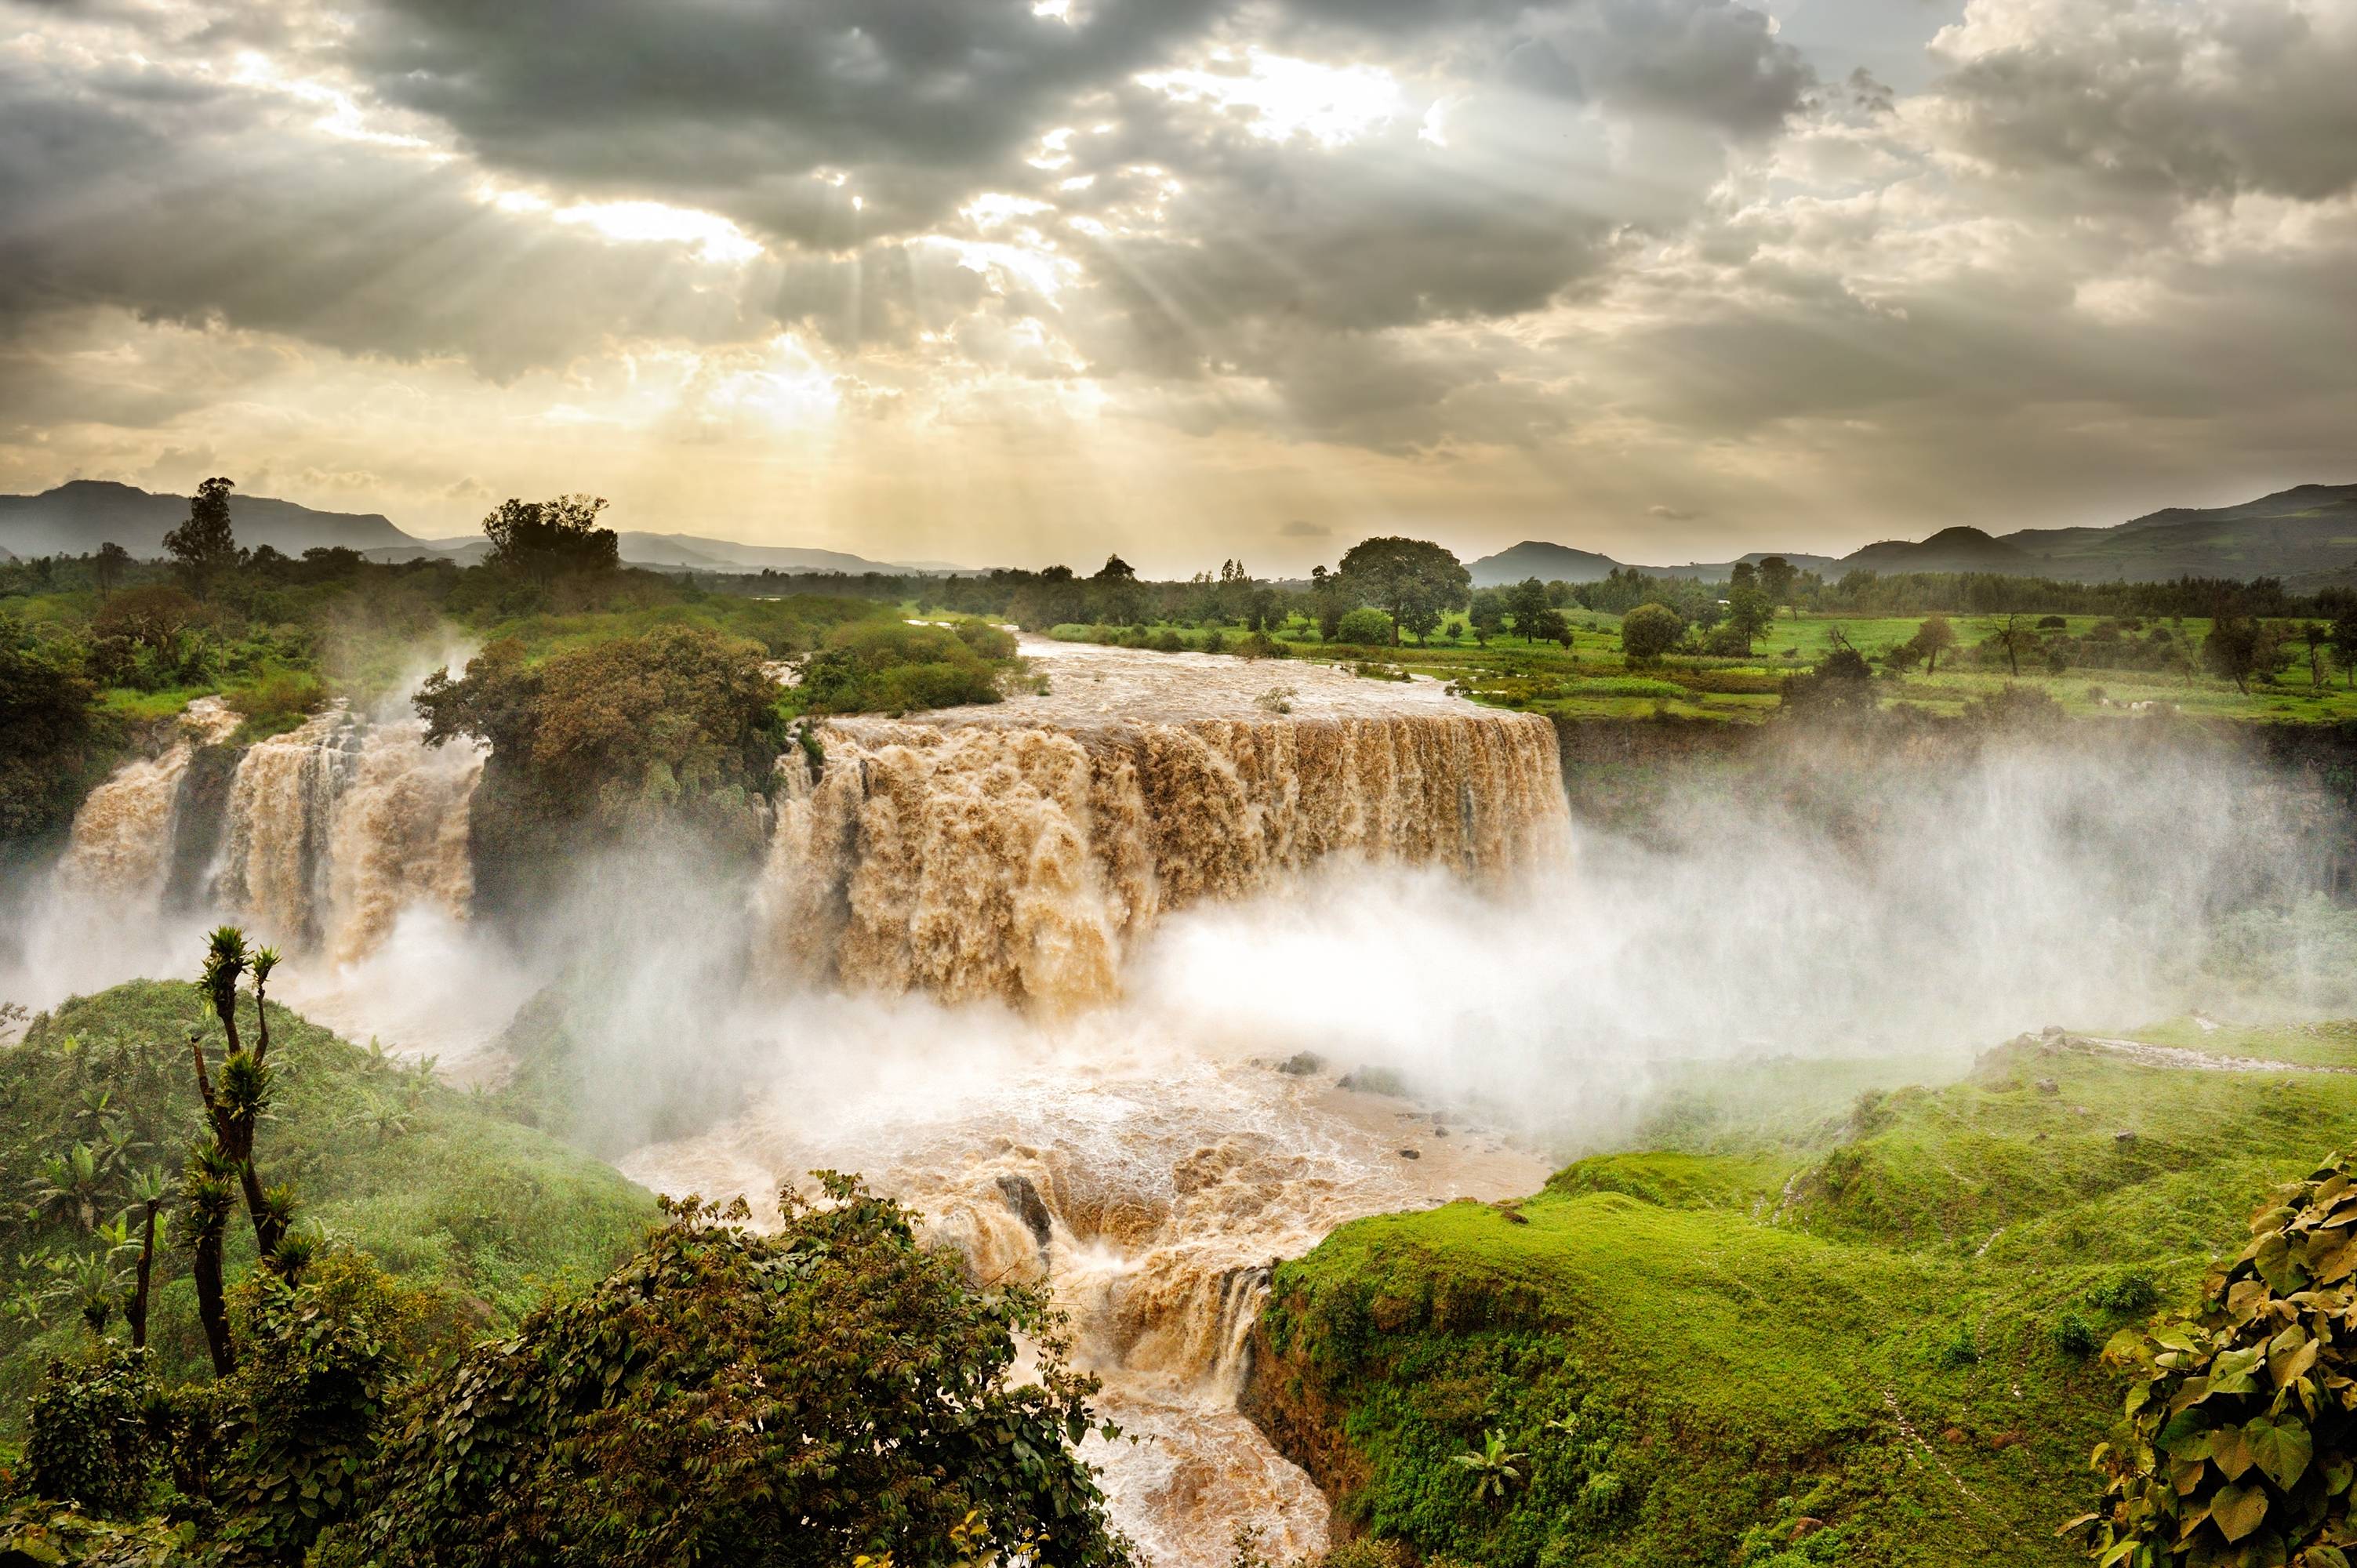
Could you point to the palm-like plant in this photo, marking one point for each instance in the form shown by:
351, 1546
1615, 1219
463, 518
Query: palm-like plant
1496, 1468
71, 1185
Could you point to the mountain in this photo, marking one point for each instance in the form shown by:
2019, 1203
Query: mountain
1718, 571
677, 552
1547, 563
2301, 531
75, 518
1950, 550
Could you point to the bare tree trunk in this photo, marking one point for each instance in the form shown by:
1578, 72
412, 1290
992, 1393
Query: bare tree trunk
210, 1310
137, 1314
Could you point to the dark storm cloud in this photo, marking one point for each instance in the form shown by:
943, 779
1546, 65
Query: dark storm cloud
194, 205
728, 104
2178, 104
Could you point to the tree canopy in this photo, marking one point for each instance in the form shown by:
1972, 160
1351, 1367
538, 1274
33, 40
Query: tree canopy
828, 1391
1413, 580
544, 540
205, 546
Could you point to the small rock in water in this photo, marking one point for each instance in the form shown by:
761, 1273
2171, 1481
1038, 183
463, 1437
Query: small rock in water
1440, 1132
1411, 1154
1301, 1064
1023, 1197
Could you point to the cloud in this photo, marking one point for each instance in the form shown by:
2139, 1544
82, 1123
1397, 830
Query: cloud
1298, 528
1673, 515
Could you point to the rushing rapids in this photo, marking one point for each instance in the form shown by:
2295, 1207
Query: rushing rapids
1017, 852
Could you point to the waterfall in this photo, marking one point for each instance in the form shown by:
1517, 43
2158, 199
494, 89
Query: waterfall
119, 848
317, 839
977, 859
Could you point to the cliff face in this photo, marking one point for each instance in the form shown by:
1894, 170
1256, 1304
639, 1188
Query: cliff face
1285, 1396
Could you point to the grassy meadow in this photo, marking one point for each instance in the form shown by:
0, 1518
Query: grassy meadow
1802, 1325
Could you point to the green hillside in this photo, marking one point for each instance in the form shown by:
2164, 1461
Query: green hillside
1791, 1335
429, 1179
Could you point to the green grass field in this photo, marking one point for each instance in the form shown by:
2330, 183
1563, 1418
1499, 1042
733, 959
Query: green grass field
1803, 1329
1592, 679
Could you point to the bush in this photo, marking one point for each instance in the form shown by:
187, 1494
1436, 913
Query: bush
1168, 640
276, 700
90, 1444
801, 1397
2074, 1336
2131, 1292
1365, 627
1259, 644
1649, 631
2236, 1443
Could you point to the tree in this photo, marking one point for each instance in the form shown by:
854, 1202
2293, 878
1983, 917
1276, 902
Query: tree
1114, 570
1776, 579
1526, 601
52, 737
828, 1391
2236, 1443
2240, 646
2013, 636
542, 540
2319, 638
1405, 576
1840, 687
1363, 627
1748, 613
2344, 642
1933, 638
1488, 613
108, 566
204, 546
1649, 631
1548, 625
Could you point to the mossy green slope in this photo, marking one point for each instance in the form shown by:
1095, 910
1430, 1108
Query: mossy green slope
431, 1180
1861, 1339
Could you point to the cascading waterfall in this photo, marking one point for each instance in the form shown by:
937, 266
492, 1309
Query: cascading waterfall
1018, 855
973, 860
119, 848
322, 835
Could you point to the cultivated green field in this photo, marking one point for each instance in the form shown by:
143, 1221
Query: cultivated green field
1592, 679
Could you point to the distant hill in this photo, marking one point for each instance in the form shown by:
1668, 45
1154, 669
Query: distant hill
2306, 535
1950, 550
75, 518
1547, 563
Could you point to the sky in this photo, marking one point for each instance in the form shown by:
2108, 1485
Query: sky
1022, 281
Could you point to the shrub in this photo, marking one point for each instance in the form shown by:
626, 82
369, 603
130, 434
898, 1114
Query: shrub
2131, 1292
2236, 1443
826, 1391
1365, 627
90, 1444
1168, 640
1960, 1349
1649, 631
276, 700
1259, 644
1215, 641
2074, 1336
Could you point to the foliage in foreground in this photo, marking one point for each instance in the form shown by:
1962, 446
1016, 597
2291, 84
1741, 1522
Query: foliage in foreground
2238, 1442
804, 1397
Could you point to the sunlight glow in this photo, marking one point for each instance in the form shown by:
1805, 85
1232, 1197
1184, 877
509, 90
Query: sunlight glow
1329, 104
714, 237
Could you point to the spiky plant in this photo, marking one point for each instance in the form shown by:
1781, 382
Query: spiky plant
1496, 1468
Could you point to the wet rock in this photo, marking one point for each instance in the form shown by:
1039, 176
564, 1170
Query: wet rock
1301, 1064
1411, 1153
1029, 1206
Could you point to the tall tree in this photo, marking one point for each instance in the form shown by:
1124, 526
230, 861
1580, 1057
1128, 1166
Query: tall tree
1776, 579
545, 539
1407, 578
108, 567
1526, 601
205, 546
2344, 642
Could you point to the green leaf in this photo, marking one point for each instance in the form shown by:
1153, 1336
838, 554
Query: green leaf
2230, 1452
2321, 1556
2281, 1448
2238, 1510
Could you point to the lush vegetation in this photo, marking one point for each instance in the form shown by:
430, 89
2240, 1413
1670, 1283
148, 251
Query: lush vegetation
820, 1393
1788, 1336
98, 1109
